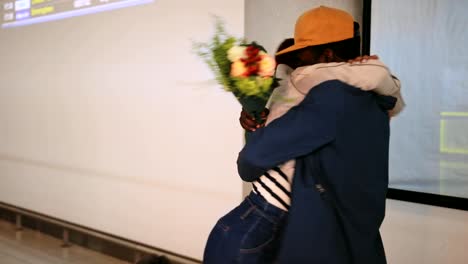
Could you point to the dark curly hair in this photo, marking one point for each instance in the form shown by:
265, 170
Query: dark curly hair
290, 58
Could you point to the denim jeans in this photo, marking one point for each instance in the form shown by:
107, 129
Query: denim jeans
251, 233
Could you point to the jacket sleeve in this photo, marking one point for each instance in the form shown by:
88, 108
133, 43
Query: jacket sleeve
302, 130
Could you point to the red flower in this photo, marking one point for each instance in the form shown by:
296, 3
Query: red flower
252, 60
252, 51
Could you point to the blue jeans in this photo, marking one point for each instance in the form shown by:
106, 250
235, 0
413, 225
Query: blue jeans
251, 233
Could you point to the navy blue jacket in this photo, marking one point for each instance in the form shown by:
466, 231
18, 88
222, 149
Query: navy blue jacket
339, 136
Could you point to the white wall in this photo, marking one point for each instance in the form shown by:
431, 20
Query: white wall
110, 121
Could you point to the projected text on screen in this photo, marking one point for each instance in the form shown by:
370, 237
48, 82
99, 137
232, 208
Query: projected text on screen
27, 12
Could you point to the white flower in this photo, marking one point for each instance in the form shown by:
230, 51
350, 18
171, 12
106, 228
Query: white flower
236, 53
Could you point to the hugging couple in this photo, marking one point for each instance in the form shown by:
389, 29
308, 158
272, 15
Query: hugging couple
318, 162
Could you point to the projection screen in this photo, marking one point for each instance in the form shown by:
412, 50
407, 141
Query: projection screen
424, 43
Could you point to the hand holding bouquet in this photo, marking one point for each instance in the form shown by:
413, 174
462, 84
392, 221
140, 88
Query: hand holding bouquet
245, 69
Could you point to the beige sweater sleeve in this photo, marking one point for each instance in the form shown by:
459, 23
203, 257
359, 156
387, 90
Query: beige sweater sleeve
383, 82
369, 76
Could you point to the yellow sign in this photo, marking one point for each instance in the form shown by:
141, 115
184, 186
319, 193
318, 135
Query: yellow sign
42, 11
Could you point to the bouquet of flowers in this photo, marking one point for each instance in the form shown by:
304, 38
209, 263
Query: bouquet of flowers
245, 69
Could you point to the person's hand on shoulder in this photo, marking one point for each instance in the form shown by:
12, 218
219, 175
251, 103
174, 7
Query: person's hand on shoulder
363, 59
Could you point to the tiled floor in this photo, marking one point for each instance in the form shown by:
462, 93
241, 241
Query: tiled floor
30, 247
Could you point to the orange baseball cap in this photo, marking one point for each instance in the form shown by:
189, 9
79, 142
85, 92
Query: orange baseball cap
319, 26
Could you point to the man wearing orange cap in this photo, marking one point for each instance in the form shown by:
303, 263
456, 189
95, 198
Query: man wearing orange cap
338, 134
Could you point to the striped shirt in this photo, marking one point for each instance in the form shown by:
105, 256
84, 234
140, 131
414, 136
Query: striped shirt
275, 185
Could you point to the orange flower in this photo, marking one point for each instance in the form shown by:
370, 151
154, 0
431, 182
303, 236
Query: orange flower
267, 66
238, 69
